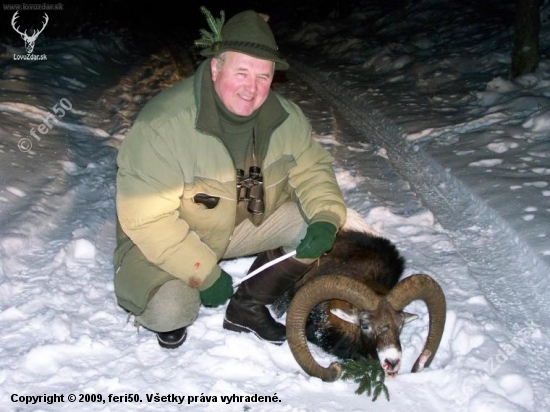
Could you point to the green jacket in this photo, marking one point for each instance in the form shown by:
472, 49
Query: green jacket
173, 153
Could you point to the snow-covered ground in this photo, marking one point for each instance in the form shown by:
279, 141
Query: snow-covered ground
433, 145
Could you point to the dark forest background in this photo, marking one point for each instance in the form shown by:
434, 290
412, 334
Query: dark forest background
143, 19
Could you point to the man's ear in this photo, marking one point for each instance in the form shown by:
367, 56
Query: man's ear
214, 69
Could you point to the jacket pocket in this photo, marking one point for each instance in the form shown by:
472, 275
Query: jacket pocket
276, 186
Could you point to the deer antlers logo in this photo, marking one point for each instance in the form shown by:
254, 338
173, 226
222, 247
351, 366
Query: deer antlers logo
29, 40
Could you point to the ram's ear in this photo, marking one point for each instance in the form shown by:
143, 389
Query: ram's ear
409, 317
347, 315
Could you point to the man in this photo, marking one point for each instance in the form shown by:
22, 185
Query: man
218, 167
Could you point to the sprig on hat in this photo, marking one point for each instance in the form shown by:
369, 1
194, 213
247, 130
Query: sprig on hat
209, 38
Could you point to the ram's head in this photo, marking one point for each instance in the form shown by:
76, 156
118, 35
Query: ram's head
376, 320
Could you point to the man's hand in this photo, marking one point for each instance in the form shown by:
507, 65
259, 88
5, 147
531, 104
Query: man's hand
220, 291
318, 240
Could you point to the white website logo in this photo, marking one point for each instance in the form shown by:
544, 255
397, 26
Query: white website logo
29, 40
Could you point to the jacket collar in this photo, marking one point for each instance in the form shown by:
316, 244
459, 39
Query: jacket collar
271, 114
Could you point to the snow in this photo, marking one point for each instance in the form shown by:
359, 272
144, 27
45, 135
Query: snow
434, 147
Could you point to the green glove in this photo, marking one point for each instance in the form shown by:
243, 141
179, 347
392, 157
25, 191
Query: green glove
318, 240
220, 291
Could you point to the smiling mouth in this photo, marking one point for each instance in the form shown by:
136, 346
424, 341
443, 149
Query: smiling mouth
246, 98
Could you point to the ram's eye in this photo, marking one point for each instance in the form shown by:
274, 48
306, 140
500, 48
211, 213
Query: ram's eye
364, 326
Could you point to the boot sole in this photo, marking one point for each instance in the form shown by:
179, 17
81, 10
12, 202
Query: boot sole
227, 324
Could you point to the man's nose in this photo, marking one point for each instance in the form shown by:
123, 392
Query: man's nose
252, 84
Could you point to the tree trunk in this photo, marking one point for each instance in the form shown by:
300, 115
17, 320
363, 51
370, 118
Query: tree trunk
525, 56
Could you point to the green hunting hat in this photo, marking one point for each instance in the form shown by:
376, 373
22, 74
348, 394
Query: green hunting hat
248, 32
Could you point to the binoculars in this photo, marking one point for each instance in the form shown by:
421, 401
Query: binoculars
251, 189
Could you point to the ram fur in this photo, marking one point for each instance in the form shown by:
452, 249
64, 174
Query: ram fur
336, 325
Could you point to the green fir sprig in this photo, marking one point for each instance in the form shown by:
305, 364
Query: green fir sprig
368, 374
208, 38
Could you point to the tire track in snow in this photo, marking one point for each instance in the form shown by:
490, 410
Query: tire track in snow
499, 260
495, 252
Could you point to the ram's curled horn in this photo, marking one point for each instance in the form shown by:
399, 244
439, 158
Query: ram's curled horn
422, 287
309, 296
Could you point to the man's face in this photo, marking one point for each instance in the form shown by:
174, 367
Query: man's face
242, 82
